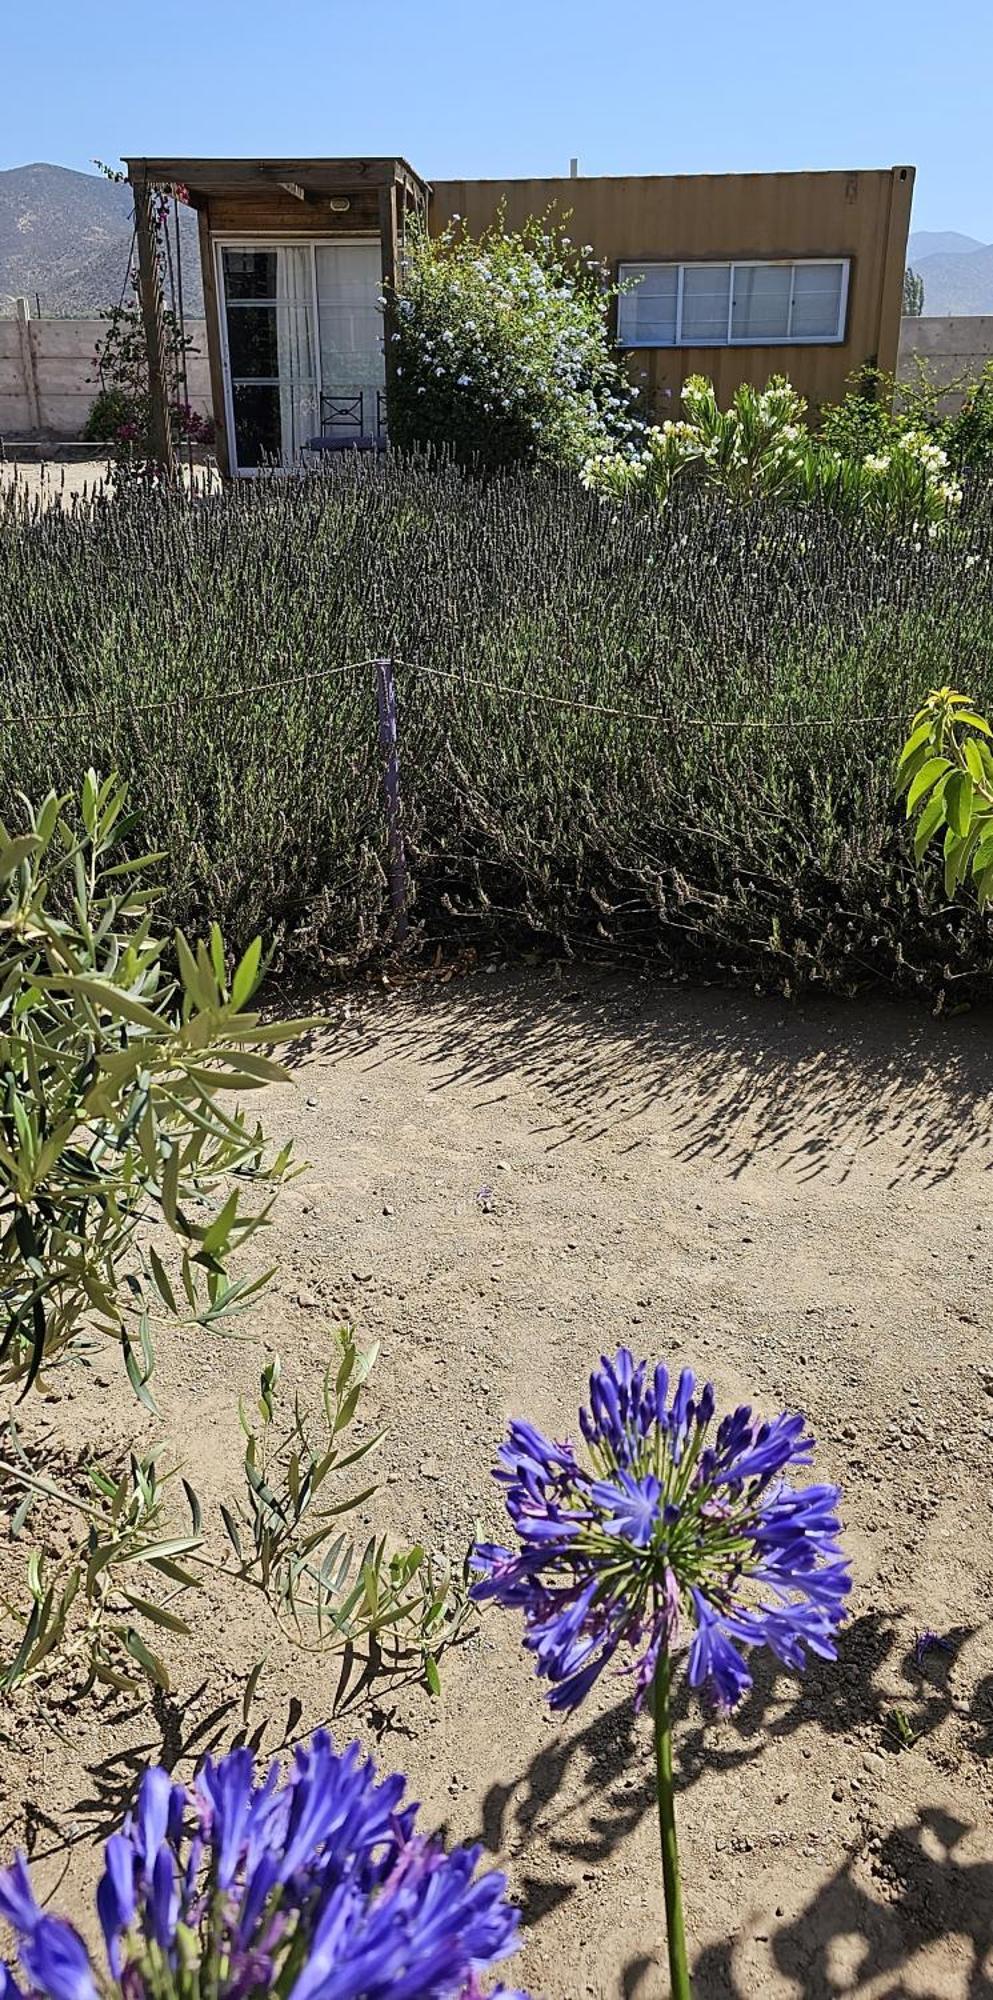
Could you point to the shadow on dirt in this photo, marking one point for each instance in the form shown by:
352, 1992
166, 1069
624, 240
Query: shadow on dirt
736, 1076
847, 1938
602, 1770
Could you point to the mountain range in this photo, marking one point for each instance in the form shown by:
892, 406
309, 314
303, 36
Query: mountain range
65, 245
957, 271
65, 242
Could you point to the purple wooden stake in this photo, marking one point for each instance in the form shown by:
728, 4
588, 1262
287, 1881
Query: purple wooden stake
386, 702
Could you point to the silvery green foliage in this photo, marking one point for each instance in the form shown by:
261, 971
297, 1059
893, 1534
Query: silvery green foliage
129, 1545
116, 1082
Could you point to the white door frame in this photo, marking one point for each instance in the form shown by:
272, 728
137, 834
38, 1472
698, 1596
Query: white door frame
242, 239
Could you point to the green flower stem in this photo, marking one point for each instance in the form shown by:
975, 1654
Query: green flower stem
679, 1971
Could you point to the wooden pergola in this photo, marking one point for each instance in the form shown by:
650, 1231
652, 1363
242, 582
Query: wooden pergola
272, 196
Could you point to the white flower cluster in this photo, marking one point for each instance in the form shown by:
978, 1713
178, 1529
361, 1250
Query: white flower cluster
513, 328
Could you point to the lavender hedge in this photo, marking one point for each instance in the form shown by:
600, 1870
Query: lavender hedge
734, 820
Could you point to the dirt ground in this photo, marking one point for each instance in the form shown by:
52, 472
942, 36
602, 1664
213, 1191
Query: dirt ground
57, 481
795, 1202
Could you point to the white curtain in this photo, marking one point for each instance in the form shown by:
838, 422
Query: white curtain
298, 399
349, 287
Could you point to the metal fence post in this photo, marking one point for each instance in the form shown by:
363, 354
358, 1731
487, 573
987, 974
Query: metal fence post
386, 703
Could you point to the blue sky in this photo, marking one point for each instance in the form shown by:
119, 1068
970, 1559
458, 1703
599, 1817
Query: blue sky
516, 87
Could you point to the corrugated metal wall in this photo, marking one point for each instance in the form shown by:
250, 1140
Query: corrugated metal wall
861, 215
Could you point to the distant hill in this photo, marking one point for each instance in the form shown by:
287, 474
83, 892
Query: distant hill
65, 240
960, 282
939, 243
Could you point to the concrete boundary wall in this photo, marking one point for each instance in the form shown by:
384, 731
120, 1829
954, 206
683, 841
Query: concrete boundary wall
953, 349
47, 373
48, 378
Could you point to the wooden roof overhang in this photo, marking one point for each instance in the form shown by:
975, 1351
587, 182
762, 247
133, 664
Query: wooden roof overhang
307, 179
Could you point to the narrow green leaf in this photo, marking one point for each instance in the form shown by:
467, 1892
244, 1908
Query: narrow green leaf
231, 1527
153, 1666
927, 826
104, 994
250, 1687
193, 1503
915, 741
246, 975
161, 1278
970, 749
156, 1614
17, 851
138, 1381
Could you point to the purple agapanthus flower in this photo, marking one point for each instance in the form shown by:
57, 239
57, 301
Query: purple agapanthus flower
663, 1526
319, 1888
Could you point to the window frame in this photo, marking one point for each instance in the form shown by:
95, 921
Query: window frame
731, 265
252, 239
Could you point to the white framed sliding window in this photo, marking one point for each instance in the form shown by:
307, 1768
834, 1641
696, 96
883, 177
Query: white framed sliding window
302, 343
755, 302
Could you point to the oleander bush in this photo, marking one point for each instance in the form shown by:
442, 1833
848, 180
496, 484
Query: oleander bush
761, 448
663, 735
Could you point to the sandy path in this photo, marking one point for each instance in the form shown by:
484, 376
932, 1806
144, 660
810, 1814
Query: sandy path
797, 1203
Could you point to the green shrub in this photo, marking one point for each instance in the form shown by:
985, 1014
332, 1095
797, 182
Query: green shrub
503, 350
733, 819
970, 431
756, 449
863, 421
111, 1113
760, 449
111, 411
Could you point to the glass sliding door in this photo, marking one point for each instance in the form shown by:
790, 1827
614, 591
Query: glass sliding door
303, 346
353, 367
269, 327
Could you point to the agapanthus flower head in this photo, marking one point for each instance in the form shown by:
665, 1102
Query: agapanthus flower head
319, 1888
665, 1523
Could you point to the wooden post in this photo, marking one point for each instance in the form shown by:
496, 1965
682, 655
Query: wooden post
386, 704
150, 281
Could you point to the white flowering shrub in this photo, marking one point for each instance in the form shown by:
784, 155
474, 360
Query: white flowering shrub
909, 484
761, 447
503, 351
905, 487
757, 446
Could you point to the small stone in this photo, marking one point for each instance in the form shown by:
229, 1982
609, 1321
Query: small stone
430, 1467
312, 1103
387, 1210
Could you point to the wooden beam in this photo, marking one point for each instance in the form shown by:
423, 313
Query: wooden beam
293, 187
318, 176
150, 284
